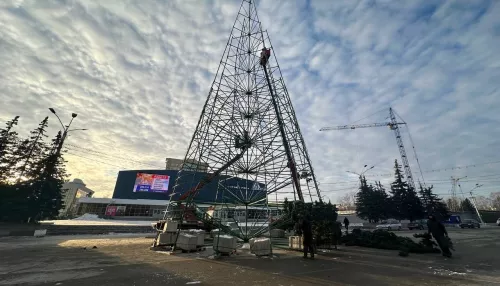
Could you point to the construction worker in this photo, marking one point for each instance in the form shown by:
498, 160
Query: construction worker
265, 54
308, 236
346, 224
337, 233
438, 231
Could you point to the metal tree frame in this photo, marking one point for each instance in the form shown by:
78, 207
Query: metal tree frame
248, 130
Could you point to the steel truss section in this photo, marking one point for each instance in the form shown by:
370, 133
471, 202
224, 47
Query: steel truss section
248, 120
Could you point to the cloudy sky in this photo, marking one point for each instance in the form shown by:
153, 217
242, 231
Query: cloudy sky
138, 73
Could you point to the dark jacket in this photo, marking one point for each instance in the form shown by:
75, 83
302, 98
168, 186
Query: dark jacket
346, 221
436, 228
307, 230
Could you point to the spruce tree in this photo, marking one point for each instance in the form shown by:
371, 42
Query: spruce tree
405, 202
414, 207
371, 202
47, 186
31, 152
8, 141
381, 199
363, 205
433, 205
398, 191
467, 206
14, 205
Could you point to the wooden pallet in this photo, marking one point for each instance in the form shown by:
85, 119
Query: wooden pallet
198, 249
161, 248
226, 253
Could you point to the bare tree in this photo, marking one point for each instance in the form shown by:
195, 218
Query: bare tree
495, 200
483, 203
453, 204
347, 201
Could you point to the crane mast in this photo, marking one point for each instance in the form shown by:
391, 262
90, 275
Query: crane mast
402, 151
393, 125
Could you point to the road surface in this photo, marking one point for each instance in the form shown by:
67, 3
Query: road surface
127, 260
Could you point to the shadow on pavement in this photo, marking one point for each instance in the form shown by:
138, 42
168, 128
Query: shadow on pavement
117, 260
122, 260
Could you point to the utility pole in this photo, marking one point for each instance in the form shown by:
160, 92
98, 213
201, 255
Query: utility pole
65, 128
57, 152
363, 171
454, 200
473, 199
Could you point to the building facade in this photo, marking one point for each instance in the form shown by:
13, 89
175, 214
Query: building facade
71, 192
145, 193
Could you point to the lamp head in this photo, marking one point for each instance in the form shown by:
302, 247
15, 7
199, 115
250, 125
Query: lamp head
73, 115
52, 110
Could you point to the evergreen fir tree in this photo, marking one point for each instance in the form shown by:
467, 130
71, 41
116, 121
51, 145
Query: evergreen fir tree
371, 202
31, 152
381, 199
8, 141
398, 191
405, 202
14, 205
363, 207
48, 183
467, 206
433, 204
413, 204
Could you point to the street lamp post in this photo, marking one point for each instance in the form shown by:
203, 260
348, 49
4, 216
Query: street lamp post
65, 128
475, 203
57, 152
363, 171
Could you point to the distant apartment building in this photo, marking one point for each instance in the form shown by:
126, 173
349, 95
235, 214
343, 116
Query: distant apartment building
71, 192
191, 165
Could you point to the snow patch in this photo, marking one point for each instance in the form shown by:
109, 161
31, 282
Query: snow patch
245, 246
92, 219
89, 217
447, 272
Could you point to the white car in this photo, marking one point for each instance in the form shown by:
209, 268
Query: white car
498, 221
389, 225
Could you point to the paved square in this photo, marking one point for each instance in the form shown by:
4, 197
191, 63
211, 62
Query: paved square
127, 260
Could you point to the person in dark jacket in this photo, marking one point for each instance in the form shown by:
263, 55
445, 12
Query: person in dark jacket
308, 236
337, 233
346, 225
440, 234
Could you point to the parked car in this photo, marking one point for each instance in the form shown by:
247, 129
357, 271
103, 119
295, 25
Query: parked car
470, 223
389, 225
418, 224
498, 221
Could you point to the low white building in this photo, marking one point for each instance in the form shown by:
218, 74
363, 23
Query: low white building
71, 191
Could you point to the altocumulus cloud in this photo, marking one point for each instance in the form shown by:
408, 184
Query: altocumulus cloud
138, 72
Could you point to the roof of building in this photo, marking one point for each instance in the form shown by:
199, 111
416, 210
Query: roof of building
79, 184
